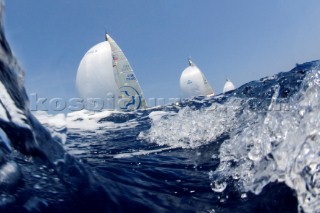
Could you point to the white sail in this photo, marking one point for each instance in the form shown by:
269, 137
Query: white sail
129, 88
95, 78
228, 86
194, 83
105, 73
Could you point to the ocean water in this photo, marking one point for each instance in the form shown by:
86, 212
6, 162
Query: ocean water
254, 149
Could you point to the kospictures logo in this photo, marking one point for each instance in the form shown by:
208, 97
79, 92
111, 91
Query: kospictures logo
130, 100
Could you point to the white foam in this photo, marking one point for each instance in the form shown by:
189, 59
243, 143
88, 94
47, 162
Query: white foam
277, 145
192, 128
86, 120
80, 122
58, 121
17, 116
157, 115
56, 124
283, 146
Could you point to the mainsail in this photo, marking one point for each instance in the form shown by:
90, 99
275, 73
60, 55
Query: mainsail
194, 83
228, 86
105, 73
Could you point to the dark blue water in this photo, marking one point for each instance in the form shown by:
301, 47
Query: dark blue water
254, 149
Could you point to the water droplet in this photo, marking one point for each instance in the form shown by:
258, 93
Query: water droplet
255, 155
236, 176
36, 176
214, 156
302, 112
243, 195
218, 186
37, 186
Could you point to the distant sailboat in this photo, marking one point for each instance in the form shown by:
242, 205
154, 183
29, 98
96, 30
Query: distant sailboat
194, 83
104, 72
228, 86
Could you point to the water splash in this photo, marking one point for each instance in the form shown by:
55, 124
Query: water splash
191, 128
282, 146
280, 143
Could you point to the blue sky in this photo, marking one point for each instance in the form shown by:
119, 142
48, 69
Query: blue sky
242, 40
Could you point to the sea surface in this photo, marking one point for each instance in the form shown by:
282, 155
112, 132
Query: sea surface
254, 149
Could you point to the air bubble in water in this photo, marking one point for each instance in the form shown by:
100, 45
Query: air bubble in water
218, 186
243, 195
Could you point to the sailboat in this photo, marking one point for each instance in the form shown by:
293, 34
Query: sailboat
194, 83
105, 73
228, 86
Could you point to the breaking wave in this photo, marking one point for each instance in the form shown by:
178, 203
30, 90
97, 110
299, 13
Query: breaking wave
254, 149
277, 139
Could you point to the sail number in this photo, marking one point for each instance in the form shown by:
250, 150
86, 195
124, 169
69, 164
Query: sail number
130, 77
